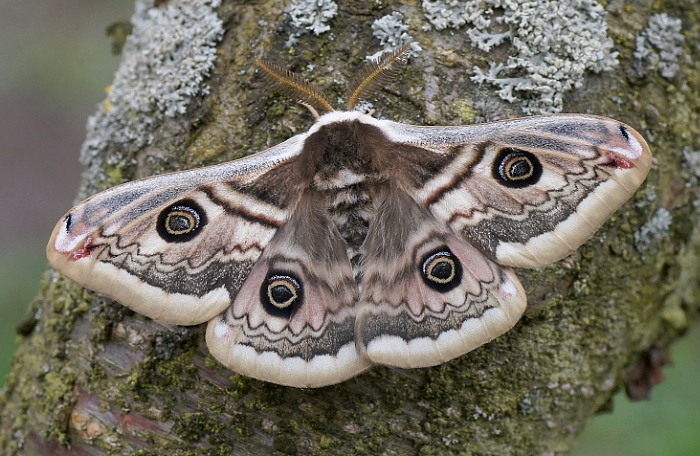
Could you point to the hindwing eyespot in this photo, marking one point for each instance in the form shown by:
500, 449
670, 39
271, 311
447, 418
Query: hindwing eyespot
441, 270
281, 294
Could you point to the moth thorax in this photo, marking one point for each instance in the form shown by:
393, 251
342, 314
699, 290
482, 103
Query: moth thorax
345, 152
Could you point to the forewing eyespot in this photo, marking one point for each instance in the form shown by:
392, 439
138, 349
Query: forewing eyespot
281, 294
517, 168
441, 270
180, 222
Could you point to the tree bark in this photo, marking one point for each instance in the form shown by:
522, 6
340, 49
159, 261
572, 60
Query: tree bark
91, 377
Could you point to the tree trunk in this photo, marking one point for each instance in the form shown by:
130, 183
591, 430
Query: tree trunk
91, 377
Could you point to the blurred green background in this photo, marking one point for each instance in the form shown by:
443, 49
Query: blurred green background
55, 63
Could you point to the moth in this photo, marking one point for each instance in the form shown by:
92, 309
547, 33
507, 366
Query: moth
360, 242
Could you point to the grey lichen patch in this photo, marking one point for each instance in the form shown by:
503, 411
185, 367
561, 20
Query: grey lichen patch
553, 44
162, 71
392, 32
692, 160
655, 229
659, 45
310, 16
455, 13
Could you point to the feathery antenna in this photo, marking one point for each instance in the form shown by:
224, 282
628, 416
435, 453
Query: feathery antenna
375, 76
294, 86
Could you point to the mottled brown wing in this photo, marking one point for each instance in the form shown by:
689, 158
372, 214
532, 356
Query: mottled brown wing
177, 247
529, 191
426, 295
293, 320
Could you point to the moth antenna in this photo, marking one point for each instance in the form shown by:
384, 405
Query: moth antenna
311, 109
293, 86
375, 76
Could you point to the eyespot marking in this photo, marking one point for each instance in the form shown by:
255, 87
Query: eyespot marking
281, 294
181, 222
516, 168
441, 270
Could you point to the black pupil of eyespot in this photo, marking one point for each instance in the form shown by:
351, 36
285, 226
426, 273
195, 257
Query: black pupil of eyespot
442, 270
182, 220
520, 167
281, 294
180, 223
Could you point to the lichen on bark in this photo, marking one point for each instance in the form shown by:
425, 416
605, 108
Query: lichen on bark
91, 377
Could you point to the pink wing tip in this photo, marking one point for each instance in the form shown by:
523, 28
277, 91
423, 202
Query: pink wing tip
628, 151
71, 239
